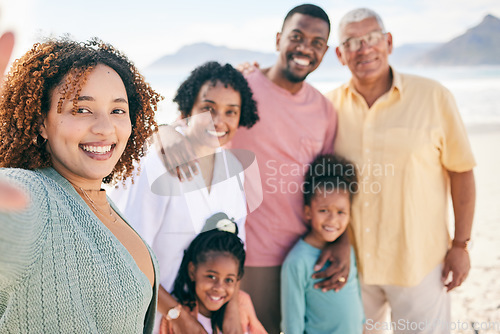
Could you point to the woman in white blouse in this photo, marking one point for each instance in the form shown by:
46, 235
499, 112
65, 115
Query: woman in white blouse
214, 101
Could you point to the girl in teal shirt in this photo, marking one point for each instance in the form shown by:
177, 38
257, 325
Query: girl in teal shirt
328, 189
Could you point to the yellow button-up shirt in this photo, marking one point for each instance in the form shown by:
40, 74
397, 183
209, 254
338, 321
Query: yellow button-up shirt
402, 148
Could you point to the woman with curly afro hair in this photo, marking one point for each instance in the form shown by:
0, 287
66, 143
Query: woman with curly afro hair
72, 116
214, 101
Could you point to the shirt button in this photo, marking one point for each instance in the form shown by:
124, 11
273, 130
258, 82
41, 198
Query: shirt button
367, 229
367, 203
368, 255
367, 150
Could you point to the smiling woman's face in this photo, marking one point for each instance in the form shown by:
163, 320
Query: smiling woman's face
86, 145
215, 115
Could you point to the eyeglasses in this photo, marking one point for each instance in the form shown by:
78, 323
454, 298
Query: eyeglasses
353, 44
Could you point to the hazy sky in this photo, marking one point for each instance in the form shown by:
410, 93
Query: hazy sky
148, 29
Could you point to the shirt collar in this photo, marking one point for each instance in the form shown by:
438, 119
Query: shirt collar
397, 84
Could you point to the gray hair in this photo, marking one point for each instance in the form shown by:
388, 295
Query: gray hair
357, 15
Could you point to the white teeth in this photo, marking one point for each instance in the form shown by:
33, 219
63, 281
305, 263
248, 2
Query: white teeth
215, 299
301, 61
329, 229
97, 149
216, 133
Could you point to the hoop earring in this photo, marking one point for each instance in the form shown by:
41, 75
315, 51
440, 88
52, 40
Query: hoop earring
39, 141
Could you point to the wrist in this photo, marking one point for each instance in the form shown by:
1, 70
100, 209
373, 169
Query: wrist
174, 313
463, 244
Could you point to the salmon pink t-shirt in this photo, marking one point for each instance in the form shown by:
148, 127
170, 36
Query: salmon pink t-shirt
293, 129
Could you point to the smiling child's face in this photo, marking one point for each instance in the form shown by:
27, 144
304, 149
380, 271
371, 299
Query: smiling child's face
215, 281
329, 214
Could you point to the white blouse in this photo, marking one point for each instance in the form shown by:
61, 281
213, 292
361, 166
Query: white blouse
169, 214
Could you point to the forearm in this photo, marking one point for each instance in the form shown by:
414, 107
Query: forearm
231, 323
165, 300
463, 195
185, 323
343, 239
335, 275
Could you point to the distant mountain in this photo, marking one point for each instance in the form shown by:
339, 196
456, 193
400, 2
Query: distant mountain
480, 45
196, 54
409, 54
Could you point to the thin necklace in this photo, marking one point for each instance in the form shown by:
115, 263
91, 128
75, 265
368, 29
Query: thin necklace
93, 204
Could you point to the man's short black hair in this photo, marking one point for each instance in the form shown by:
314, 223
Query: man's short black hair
308, 9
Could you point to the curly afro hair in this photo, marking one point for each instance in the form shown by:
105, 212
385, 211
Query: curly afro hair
27, 92
214, 72
329, 172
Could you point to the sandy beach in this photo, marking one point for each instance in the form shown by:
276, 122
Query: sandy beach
476, 304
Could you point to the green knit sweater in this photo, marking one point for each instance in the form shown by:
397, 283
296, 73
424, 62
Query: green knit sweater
62, 270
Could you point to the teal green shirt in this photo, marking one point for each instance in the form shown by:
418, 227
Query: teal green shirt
305, 309
62, 270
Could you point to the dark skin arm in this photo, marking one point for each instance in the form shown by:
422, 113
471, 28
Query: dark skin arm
248, 318
463, 196
338, 253
232, 323
186, 323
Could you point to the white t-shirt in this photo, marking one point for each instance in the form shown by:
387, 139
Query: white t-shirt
206, 323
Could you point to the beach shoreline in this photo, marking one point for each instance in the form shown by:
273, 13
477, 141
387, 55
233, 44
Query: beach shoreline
476, 304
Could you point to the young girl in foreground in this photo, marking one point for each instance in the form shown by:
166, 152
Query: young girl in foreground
208, 277
329, 186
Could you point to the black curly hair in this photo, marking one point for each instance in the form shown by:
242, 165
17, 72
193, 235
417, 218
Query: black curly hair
214, 72
204, 246
328, 172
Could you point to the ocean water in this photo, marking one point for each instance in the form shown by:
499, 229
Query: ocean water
476, 89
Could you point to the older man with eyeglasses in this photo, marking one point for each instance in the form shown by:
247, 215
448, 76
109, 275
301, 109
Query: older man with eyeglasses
411, 149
